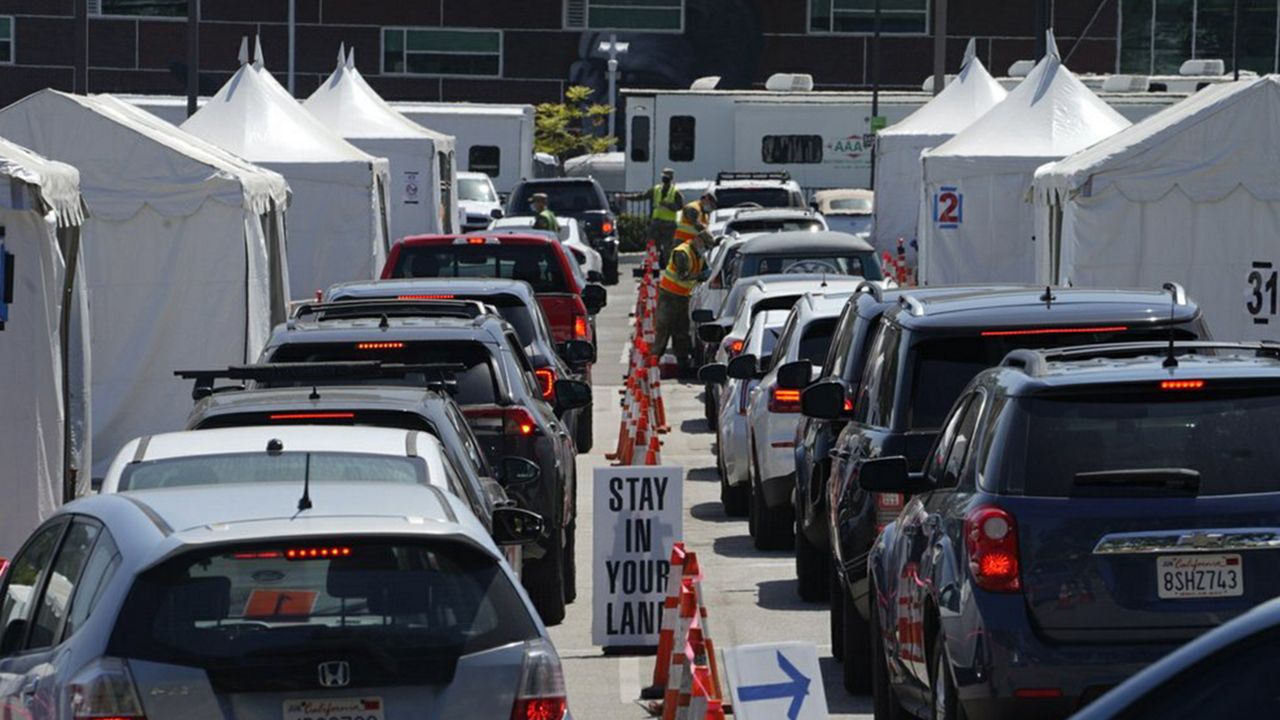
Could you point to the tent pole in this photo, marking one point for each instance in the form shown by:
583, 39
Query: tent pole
193, 55
72, 255
875, 80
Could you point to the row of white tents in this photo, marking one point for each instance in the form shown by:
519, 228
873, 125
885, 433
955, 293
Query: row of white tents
1048, 185
143, 248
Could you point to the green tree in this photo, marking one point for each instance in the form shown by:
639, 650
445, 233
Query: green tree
572, 127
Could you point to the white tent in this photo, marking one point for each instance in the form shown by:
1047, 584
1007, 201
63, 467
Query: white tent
898, 148
43, 346
338, 224
1191, 194
976, 224
182, 254
423, 173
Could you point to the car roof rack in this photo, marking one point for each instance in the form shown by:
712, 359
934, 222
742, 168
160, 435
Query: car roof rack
1179, 293
440, 375
912, 304
724, 175
388, 307
866, 286
1036, 362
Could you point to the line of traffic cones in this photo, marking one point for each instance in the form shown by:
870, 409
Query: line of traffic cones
644, 414
686, 675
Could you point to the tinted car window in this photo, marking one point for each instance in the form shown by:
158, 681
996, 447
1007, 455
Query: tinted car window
97, 574
764, 197
475, 383
401, 613
816, 340
61, 585
537, 264
742, 227
22, 582
861, 264
286, 467
563, 198
874, 404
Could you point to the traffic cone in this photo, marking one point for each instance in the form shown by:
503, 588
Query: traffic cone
666, 630
653, 455
676, 679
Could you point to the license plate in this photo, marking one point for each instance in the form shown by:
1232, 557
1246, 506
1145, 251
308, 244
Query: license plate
367, 708
1180, 577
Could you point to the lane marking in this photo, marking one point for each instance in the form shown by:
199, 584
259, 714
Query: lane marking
628, 680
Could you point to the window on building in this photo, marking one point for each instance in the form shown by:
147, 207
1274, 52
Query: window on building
1158, 35
486, 159
648, 15
791, 149
143, 8
414, 51
900, 17
640, 138
6, 39
681, 138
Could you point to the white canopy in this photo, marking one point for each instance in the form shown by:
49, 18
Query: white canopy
898, 148
977, 225
1191, 194
337, 224
422, 163
43, 350
182, 254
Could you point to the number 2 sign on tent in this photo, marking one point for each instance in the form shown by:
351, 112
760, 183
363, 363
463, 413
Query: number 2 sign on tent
638, 514
948, 207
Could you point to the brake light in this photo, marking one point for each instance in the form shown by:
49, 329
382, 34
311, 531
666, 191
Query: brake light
1181, 384
784, 400
312, 416
991, 539
606, 227
540, 694
510, 421
314, 553
848, 405
266, 555
104, 690
380, 346
1056, 331
424, 297
733, 347
580, 326
475, 241
546, 382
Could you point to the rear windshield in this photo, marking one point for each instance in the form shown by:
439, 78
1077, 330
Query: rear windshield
816, 340
510, 307
1226, 437
376, 418
398, 612
475, 383
567, 198
742, 227
861, 264
764, 197
537, 264
861, 205
288, 467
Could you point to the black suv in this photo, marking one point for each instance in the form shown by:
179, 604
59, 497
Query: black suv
583, 200
1084, 512
923, 353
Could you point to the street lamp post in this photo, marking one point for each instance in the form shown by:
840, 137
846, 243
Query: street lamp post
614, 48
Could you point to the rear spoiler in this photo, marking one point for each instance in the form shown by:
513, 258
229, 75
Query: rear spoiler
724, 175
388, 307
440, 376
1035, 362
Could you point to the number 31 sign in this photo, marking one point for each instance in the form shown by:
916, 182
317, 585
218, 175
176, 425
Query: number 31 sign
948, 207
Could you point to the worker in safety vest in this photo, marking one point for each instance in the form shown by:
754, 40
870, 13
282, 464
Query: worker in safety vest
543, 218
683, 272
666, 202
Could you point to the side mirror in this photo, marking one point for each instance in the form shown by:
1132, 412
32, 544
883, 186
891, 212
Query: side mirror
514, 470
577, 352
795, 375
517, 526
743, 367
712, 333
702, 315
496, 213
572, 394
595, 276
595, 298
890, 475
826, 400
713, 374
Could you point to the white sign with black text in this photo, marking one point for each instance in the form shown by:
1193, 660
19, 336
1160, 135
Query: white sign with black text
638, 514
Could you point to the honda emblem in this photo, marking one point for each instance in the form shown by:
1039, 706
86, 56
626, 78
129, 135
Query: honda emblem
335, 674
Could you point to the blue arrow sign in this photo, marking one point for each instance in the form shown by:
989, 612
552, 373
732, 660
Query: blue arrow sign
796, 688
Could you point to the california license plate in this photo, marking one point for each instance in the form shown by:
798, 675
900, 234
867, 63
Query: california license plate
1180, 577
367, 708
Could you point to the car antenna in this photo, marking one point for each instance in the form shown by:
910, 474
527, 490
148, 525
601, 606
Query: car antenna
1170, 360
384, 323
315, 393
824, 279
304, 502
1047, 298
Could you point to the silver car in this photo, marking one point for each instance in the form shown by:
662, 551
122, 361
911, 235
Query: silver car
276, 600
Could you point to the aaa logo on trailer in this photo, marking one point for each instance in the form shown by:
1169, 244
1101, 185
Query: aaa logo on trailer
638, 514
948, 207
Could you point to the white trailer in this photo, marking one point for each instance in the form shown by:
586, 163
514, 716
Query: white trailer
496, 140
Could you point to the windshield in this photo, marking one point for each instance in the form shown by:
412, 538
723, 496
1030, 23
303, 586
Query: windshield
259, 616
562, 198
474, 382
476, 190
860, 264
1224, 436
743, 227
762, 196
858, 205
537, 264
289, 467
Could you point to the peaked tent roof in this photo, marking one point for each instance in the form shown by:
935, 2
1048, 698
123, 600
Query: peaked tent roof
1050, 114
347, 104
960, 103
57, 183
1223, 137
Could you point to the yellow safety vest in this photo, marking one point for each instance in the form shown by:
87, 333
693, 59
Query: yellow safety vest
671, 281
660, 211
686, 232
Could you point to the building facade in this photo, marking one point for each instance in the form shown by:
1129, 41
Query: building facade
530, 50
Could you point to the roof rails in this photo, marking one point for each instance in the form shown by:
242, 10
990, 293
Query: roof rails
1178, 292
439, 374
781, 175
912, 305
386, 307
1036, 362
867, 286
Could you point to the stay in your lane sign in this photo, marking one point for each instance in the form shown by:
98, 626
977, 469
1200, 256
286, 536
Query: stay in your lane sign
638, 514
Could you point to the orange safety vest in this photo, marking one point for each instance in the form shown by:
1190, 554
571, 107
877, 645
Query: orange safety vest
671, 281
684, 231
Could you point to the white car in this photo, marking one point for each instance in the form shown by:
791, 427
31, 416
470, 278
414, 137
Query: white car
851, 210
752, 189
477, 200
570, 236
773, 415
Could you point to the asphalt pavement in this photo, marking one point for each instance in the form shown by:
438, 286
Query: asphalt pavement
750, 595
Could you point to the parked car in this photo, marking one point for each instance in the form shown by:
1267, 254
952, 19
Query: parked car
850, 210
370, 600
478, 201
570, 234
924, 351
583, 200
1083, 512
756, 189
483, 362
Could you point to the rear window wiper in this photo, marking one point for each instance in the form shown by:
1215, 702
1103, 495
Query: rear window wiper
1139, 480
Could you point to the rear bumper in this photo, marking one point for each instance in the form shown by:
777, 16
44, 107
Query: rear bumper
777, 491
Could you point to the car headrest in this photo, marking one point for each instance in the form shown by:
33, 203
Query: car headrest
202, 599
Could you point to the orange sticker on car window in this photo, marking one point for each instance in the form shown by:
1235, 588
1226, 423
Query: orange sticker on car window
266, 604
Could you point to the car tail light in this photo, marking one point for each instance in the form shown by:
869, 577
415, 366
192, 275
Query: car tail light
104, 690
284, 417
733, 346
424, 297
316, 553
546, 382
606, 227
991, 538
848, 405
475, 241
1181, 384
580, 327
508, 420
784, 400
541, 693
888, 506
380, 346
